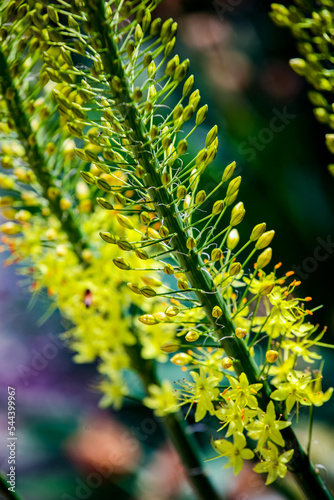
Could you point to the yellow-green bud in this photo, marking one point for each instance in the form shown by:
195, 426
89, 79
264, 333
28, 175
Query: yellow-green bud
233, 186
141, 254
155, 26
169, 47
88, 177
10, 228
172, 65
266, 288
181, 192
201, 156
227, 363
299, 66
103, 184
218, 207
200, 197
177, 112
211, 135
148, 292
232, 239
181, 70
240, 333
163, 231
137, 94
6, 162
168, 269
170, 346
172, 311
153, 234
81, 154
149, 319
65, 204
229, 171
188, 85
182, 284
191, 243
237, 214
75, 130
165, 178
138, 33
231, 199
201, 114
192, 336
121, 263
108, 237
235, 268
146, 21
271, 356
264, 240
258, 231
182, 147
181, 359
264, 258
216, 254
217, 312
188, 113
134, 287
145, 218
124, 244
124, 221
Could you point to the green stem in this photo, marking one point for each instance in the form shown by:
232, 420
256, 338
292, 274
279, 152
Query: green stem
36, 159
7, 494
309, 481
310, 429
174, 425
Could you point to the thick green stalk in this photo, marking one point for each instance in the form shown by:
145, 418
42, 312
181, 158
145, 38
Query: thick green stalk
174, 426
309, 481
35, 158
5, 492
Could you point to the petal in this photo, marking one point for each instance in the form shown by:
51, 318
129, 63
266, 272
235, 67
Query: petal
271, 411
238, 464
276, 436
290, 401
286, 457
272, 475
280, 394
247, 454
239, 440
261, 467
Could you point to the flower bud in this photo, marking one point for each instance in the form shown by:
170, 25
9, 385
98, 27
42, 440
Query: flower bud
65, 204
155, 26
229, 171
108, 237
181, 192
188, 113
163, 231
232, 239
216, 254
149, 319
211, 135
124, 221
169, 47
298, 65
170, 346
231, 199
264, 240
200, 197
191, 243
235, 268
201, 114
192, 336
181, 70
148, 292
153, 234
75, 130
181, 359
10, 228
218, 207
233, 186
124, 244
227, 363
182, 147
121, 263
201, 156
188, 85
138, 34
134, 287
172, 65
271, 356
104, 204
217, 312
258, 230
141, 254
182, 284
165, 178
237, 214
88, 177
240, 333
172, 311
103, 184
264, 258
168, 269
266, 288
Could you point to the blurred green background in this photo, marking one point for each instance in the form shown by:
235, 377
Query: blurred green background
240, 62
